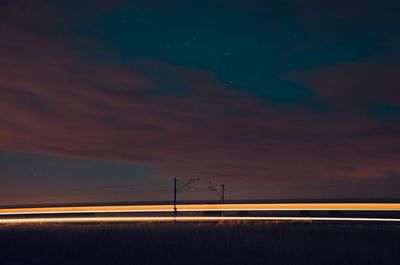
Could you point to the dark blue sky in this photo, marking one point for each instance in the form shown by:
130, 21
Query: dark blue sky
105, 101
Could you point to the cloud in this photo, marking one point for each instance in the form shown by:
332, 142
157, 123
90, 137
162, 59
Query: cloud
55, 101
354, 84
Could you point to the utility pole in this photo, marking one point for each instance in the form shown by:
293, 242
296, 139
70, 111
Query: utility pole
180, 184
175, 210
221, 195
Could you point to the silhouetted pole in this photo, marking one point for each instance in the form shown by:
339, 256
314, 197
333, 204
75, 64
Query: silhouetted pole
183, 184
221, 195
175, 211
223, 198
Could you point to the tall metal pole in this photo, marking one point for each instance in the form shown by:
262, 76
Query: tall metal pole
184, 185
175, 210
223, 199
223, 193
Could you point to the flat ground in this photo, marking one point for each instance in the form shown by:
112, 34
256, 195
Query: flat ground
260, 243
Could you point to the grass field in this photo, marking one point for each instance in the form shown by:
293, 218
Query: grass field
262, 243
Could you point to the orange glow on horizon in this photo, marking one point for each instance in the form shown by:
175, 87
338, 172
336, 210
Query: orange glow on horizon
207, 207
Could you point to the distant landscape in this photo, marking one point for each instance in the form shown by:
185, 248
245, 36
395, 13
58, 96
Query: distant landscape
204, 243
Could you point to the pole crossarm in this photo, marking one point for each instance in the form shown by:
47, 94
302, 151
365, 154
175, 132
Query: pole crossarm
186, 183
180, 184
220, 194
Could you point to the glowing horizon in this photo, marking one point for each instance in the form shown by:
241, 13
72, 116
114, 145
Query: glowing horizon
206, 207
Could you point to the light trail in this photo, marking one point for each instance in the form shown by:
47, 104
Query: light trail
291, 207
88, 209
185, 219
206, 207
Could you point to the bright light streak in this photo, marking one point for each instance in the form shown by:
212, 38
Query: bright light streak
207, 207
186, 219
291, 207
88, 209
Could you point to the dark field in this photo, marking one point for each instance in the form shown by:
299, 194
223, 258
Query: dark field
287, 243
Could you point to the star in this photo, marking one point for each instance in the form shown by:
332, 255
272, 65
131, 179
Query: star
226, 53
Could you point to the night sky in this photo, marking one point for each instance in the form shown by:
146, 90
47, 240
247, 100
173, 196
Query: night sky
110, 100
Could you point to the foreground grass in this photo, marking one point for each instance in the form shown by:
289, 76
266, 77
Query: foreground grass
199, 244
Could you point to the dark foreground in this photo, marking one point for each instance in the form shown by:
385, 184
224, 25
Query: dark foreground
199, 244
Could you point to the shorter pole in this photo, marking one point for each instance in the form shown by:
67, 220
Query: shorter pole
223, 199
175, 210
